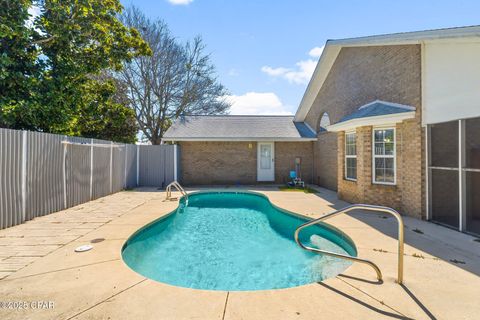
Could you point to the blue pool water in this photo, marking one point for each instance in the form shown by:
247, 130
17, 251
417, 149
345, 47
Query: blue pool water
233, 241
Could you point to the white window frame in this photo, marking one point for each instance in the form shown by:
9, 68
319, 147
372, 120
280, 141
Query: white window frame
393, 156
350, 156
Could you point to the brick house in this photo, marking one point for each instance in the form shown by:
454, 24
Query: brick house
396, 122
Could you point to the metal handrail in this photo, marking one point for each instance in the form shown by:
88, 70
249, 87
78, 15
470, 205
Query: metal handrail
347, 257
177, 186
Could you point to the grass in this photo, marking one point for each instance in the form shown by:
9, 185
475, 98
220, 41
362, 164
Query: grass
306, 189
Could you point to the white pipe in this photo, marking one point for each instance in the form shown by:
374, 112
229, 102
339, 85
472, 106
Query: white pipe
65, 175
111, 166
24, 175
91, 169
92, 144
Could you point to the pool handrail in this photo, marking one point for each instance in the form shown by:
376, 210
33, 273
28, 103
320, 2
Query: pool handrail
177, 186
366, 207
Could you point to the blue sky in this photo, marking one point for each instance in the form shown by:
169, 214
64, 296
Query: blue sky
265, 51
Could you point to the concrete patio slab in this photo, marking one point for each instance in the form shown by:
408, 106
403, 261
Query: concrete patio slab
442, 268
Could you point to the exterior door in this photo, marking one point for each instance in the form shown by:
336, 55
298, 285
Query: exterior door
265, 161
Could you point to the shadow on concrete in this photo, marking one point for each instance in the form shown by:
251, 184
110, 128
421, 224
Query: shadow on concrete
451, 246
366, 305
418, 302
377, 282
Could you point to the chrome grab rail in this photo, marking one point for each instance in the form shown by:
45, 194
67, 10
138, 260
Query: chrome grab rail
177, 186
347, 257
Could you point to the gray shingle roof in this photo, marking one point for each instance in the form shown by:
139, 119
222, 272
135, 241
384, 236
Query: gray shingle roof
231, 127
377, 108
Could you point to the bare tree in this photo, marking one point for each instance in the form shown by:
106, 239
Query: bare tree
176, 79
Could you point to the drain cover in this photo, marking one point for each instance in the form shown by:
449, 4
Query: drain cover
97, 240
84, 248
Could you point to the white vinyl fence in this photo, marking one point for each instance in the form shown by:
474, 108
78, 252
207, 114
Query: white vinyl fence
41, 173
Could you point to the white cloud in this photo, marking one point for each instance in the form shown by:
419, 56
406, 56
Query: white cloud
33, 11
301, 73
260, 103
180, 2
316, 52
274, 72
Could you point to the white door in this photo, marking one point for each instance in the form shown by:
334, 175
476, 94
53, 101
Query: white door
265, 162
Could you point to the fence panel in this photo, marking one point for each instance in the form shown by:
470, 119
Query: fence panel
101, 170
154, 161
45, 192
131, 165
41, 173
11, 146
119, 165
77, 169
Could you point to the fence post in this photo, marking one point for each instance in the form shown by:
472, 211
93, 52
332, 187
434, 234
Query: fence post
138, 165
175, 177
24, 175
125, 167
111, 166
65, 144
91, 169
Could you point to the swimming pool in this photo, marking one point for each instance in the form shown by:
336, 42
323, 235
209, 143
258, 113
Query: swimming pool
233, 241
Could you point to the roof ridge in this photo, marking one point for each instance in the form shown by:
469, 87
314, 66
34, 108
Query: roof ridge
240, 115
406, 32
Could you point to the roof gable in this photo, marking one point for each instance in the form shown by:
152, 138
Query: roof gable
374, 113
333, 47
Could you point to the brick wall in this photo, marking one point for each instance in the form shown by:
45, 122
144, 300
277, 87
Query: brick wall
407, 196
211, 163
359, 76
285, 154
325, 157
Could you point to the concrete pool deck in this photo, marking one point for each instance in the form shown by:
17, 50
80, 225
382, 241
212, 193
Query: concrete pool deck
38, 263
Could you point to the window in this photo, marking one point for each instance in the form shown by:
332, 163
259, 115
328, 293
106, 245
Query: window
384, 156
351, 156
324, 122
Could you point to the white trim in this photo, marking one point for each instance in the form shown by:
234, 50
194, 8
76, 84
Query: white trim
138, 165
462, 185
391, 104
125, 167
350, 156
24, 175
100, 145
91, 169
175, 162
389, 120
325, 63
64, 171
428, 200
241, 139
394, 156
272, 144
410, 37
111, 167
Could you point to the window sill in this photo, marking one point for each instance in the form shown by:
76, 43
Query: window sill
388, 184
350, 180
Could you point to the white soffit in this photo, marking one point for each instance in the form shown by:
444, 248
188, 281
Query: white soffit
383, 120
